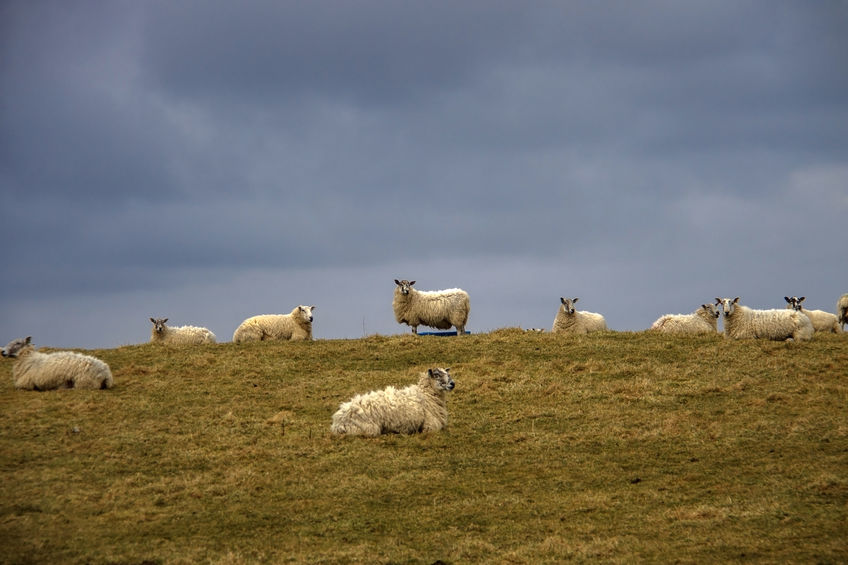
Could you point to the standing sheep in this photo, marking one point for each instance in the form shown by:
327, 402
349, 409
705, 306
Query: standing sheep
438, 309
182, 335
743, 322
569, 320
294, 326
63, 369
702, 320
842, 310
822, 321
420, 407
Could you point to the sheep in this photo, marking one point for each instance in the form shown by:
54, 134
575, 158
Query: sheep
569, 320
702, 320
842, 310
294, 326
419, 407
743, 322
182, 335
437, 309
62, 369
822, 321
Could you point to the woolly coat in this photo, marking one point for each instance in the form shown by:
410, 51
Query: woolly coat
437, 309
294, 326
741, 322
577, 322
842, 310
420, 407
702, 320
63, 369
182, 335
822, 321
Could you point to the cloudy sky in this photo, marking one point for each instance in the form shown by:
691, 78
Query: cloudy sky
210, 160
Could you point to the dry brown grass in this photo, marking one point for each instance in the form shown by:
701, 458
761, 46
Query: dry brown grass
618, 447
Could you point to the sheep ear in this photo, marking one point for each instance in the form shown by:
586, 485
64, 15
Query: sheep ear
786, 298
152, 320
313, 307
801, 299
574, 301
735, 300
411, 283
718, 301
164, 320
430, 372
28, 340
397, 282
561, 299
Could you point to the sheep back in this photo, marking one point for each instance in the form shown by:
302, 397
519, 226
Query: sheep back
702, 320
62, 369
420, 407
741, 322
294, 326
179, 335
436, 309
570, 320
822, 321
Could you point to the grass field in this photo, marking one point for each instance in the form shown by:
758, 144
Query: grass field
613, 447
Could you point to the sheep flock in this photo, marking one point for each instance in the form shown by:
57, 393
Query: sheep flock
421, 407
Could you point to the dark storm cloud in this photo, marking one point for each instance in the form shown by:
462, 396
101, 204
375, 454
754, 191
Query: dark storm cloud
151, 148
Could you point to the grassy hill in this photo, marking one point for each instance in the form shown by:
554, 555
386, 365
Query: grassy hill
617, 447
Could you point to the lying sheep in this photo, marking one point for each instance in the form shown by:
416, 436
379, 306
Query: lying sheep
569, 320
63, 369
295, 326
182, 335
842, 310
822, 321
743, 322
703, 320
420, 407
438, 309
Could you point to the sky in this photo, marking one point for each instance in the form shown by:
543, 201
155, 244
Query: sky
210, 160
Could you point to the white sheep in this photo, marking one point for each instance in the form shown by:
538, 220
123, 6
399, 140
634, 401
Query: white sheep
180, 335
743, 322
842, 310
569, 320
62, 369
437, 309
702, 320
294, 326
822, 321
420, 407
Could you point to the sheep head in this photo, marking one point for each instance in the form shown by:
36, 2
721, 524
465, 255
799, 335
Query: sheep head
441, 378
404, 286
14, 347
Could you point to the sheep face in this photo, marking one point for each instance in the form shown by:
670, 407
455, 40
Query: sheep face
568, 305
711, 310
728, 306
794, 302
159, 325
404, 286
305, 312
13, 348
441, 378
